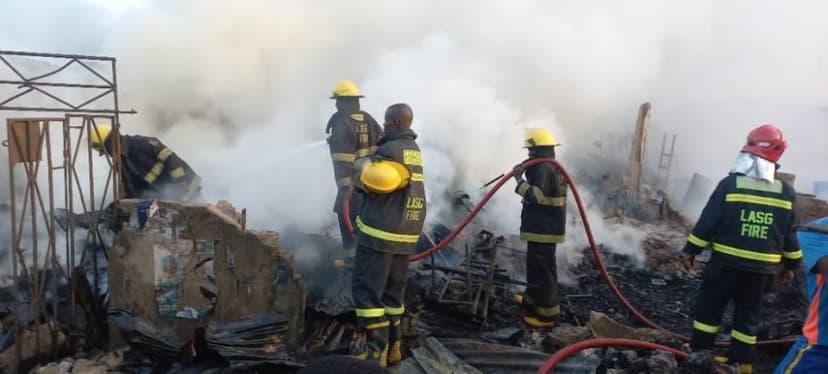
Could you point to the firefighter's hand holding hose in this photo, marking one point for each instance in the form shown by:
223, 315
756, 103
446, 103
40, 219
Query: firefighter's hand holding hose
517, 172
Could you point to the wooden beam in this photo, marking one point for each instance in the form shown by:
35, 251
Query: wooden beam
642, 124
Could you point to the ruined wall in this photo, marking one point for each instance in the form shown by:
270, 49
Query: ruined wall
254, 276
170, 257
810, 208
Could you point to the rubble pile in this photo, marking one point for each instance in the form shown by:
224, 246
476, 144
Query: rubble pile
251, 341
143, 336
187, 284
662, 290
100, 364
190, 291
662, 248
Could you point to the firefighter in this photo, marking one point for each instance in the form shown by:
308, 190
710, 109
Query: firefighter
389, 225
353, 134
749, 223
543, 226
810, 352
148, 168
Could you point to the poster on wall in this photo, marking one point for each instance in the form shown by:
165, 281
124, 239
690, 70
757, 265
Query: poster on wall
205, 247
168, 280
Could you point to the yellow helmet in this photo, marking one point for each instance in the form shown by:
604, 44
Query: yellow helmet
384, 176
98, 135
345, 88
539, 137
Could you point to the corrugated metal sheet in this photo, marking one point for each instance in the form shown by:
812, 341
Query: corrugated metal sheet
496, 358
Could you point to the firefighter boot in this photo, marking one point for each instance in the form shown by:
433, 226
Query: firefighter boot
538, 322
395, 340
721, 360
524, 302
745, 368
371, 344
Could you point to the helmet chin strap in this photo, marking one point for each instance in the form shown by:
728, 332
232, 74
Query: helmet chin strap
754, 167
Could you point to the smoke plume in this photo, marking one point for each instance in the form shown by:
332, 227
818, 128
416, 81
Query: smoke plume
239, 89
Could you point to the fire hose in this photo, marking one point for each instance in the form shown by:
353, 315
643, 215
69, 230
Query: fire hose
346, 211
593, 247
570, 350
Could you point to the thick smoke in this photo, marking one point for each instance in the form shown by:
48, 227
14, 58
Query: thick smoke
239, 89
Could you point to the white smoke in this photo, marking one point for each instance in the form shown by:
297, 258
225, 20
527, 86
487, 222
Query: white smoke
236, 88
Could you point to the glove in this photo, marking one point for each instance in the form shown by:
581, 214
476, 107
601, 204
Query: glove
688, 261
517, 173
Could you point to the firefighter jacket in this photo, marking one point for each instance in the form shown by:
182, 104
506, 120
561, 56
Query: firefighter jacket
750, 224
543, 218
353, 133
150, 169
392, 222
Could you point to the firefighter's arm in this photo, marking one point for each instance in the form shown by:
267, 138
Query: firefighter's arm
539, 179
187, 186
343, 147
161, 153
791, 252
361, 163
706, 226
174, 164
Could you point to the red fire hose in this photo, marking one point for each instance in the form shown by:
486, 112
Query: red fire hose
593, 247
571, 349
346, 211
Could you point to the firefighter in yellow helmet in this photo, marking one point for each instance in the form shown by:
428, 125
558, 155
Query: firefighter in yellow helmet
353, 133
543, 225
148, 168
389, 225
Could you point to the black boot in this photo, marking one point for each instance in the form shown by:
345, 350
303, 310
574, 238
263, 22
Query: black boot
371, 343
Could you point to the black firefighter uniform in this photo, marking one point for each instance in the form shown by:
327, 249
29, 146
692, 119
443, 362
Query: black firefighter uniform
353, 133
151, 170
542, 225
749, 223
389, 226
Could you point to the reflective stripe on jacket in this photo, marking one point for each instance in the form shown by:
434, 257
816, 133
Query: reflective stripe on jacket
151, 170
352, 135
392, 222
749, 224
543, 217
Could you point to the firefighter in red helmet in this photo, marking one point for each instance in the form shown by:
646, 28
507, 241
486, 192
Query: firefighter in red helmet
749, 224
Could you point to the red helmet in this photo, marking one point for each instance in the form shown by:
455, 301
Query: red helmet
767, 142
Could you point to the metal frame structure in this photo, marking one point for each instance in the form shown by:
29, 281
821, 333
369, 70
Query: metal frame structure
475, 275
665, 160
27, 141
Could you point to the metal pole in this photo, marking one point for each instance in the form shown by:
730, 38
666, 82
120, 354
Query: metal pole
15, 252
116, 162
68, 169
52, 231
34, 287
92, 126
